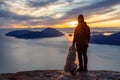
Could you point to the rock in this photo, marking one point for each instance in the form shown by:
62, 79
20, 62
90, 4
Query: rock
27, 34
113, 39
59, 75
17, 33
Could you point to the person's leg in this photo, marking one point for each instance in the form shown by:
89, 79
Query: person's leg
79, 50
85, 58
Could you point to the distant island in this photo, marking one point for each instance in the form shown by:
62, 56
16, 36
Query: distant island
113, 39
96, 37
27, 34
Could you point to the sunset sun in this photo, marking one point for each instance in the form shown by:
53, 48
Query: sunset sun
73, 23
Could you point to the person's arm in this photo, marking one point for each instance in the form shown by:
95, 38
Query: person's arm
88, 34
74, 38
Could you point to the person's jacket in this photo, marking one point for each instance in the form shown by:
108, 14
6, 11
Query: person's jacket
81, 34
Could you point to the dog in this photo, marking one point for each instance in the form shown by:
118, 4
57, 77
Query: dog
70, 65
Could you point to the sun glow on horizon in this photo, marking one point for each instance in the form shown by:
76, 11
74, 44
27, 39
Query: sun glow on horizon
19, 26
114, 23
25, 26
73, 23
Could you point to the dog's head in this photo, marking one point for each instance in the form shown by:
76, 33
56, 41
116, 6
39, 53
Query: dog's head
72, 48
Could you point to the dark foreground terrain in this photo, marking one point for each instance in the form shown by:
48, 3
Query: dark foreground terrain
60, 75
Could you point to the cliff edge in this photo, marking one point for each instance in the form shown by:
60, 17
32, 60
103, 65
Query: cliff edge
60, 75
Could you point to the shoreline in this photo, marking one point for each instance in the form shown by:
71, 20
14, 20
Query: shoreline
60, 75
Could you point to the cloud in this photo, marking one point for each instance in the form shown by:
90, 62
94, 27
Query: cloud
40, 3
1, 2
52, 12
9, 18
99, 8
116, 17
7, 14
2, 5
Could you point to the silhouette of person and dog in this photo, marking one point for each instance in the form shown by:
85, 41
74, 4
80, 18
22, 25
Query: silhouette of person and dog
80, 44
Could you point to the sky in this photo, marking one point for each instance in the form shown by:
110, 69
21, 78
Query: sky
58, 13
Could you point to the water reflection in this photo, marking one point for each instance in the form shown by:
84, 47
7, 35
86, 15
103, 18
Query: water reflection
69, 36
107, 33
39, 54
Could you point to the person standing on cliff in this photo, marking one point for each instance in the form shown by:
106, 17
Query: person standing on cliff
81, 39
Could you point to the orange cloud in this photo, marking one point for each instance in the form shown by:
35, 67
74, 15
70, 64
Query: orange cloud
19, 26
70, 24
114, 23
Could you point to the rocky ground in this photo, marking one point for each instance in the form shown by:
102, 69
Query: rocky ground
60, 75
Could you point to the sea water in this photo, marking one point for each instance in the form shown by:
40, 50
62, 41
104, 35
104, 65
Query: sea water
50, 54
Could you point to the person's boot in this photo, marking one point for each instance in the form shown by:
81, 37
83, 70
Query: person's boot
80, 68
85, 68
